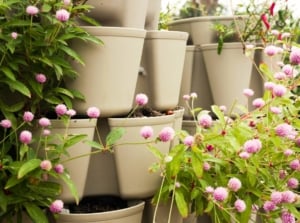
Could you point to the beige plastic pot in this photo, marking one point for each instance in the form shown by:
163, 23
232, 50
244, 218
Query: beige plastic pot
109, 77
152, 16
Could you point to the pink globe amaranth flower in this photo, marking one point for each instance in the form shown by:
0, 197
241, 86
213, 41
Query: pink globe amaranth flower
46, 165
285, 35
186, 97
287, 217
223, 108
279, 90
44, 122
146, 132
46, 132
141, 99
234, 184
288, 196
288, 152
14, 35
252, 145
62, 15
93, 112
293, 183
206, 166
275, 110
297, 141
295, 56
275, 32
194, 95
188, 140
71, 112
209, 190
5, 123
284, 130
269, 206
248, 92
240, 205
56, 206
67, 2
177, 184
244, 155
61, 109
32, 10
288, 70
59, 168
220, 194
271, 50
279, 75
25, 136
258, 103
269, 85
166, 134
28, 116
282, 174
276, 197
205, 120
41, 78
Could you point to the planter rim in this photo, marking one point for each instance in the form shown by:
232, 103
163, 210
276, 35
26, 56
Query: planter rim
115, 31
161, 34
75, 123
135, 207
214, 46
205, 18
140, 121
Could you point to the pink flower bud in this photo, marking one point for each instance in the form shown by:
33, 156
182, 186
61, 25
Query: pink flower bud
93, 112
25, 137
62, 15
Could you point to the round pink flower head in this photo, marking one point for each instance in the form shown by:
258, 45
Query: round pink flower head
275, 32
209, 190
295, 164
205, 121
194, 95
166, 134
279, 90
61, 109
41, 78
258, 103
288, 196
287, 217
284, 130
5, 123
32, 10
25, 136
67, 2
28, 116
288, 70
288, 152
141, 99
269, 206
223, 108
240, 205
220, 194
14, 35
295, 56
93, 112
293, 183
269, 85
279, 75
188, 140
276, 197
206, 166
297, 141
146, 132
244, 155
44, 122
46, 165
282, 174
46, 132
56, 206
252, 145
71, 112
234, 184
275, 110
248, 92
62, 15
186, 97
59, 168
285, 35
271, 50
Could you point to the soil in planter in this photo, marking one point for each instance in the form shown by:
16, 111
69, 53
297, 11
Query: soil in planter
146, 111
97, 204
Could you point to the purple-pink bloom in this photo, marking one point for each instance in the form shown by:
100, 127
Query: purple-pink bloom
41, 78
166, 134
59, 168
71, 112
194, 95
276, 197
287, 217
244, 155
252, 145
234, 184
32, 10
205, 120
295, 56
206, 166
220, 194
288, 196
288, 152
46, 165
56, 206
269, 86
46, 132
275, 110
44, 122
188, 140
293, 183
258, 103
223, 108
284, 130
279, 75
14, 35
279, 90
186, 97
209, 190
240, 205
295, 164
271, 50
61, 109
5, 123
248, 92
25, 136
269, 206
282, 174
93, 112
28, 116
62, 15
67, 2
146, 132
141, 99
288, 70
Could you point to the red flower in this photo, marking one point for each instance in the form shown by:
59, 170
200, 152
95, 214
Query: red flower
272, 9
264, 18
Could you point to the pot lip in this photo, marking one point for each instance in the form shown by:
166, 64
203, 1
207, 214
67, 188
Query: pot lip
229, 45
205, 19
163, 34
75, 123
115, 31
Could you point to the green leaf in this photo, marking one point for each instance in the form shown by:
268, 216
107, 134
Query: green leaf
155, 151
35, 213
28, 166
18, 86
12, 181
114, 135
181, 203
74, 139
197, 165
72, 54
8, 73
70, 184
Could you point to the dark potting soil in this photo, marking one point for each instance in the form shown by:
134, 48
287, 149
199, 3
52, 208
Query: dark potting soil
96, 204
146, 111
